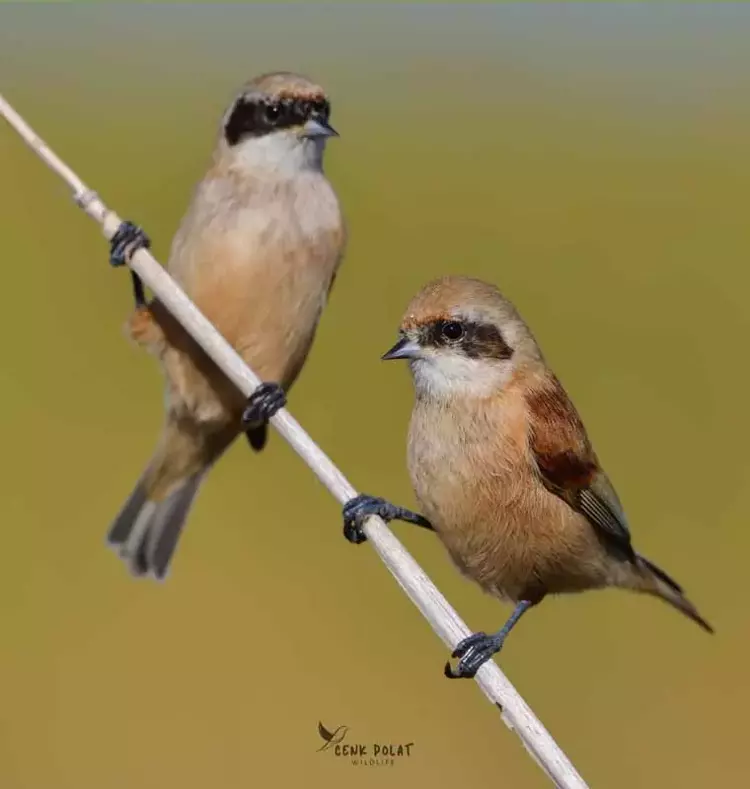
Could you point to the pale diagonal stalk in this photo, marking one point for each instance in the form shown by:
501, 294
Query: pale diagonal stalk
444, 620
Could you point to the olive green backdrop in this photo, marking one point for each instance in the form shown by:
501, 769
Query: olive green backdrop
594, 162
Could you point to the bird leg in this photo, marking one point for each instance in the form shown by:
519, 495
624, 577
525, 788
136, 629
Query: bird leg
126, 240
358, 509
478, 648
262, 404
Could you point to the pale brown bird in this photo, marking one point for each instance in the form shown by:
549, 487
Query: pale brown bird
502, 466
257, 251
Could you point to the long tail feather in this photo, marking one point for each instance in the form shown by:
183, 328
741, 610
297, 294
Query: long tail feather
145, 532
661, 585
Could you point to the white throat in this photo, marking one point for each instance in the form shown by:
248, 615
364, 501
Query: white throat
282, 153
441, 376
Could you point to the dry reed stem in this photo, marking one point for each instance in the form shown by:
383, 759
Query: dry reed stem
444, 620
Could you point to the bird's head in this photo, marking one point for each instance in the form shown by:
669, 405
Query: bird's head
462, 337
280, 122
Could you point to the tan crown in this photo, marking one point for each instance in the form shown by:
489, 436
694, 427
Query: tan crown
284, 84
449, 298
469, 299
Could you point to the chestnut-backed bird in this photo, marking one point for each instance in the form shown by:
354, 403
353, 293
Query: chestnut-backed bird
502, 466
257, 252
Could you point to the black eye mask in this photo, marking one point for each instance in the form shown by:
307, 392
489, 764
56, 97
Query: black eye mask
475, 340
256, 116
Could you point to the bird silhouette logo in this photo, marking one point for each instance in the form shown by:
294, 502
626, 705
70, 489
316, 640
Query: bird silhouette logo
331, 737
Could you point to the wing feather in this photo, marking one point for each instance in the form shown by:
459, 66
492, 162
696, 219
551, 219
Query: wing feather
568, 465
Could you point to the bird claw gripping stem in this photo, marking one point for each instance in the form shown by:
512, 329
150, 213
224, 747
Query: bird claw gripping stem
126, 240
473, 652
123, 244
262, 404
357, 510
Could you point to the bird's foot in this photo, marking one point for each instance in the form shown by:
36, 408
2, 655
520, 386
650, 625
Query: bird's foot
123, 244
357, 510
257, 437
262, 404
128, 238
473, 652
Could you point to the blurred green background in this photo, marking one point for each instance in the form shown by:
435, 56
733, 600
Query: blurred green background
593, 162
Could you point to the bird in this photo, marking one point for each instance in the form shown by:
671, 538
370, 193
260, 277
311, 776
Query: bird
502, 466
257, 252
331, 738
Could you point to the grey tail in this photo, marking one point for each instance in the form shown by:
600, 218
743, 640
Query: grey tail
145, 532
661, 585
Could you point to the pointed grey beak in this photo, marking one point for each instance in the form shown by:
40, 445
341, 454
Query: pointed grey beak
403, 349
317, 128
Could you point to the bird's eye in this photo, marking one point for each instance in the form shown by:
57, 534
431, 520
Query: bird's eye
272, 112
452, 330
320, 107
